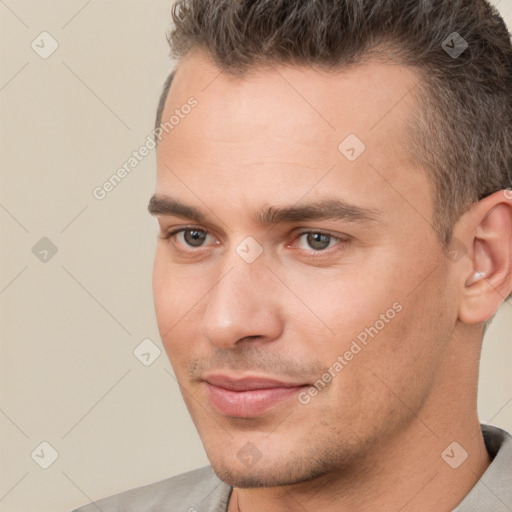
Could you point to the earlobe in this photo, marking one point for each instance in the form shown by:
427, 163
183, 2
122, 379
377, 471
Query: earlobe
489, 281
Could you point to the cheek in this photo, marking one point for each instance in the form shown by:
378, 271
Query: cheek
179, 297
171, 296
372, 322
399, 364
340, 307
162, 292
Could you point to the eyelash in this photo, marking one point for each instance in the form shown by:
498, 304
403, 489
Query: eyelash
309, 253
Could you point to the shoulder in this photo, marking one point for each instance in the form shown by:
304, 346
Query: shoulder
196, 491
494, 489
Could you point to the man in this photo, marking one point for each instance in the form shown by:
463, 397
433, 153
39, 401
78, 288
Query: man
335, 216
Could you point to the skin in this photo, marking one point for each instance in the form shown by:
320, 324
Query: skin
372, 439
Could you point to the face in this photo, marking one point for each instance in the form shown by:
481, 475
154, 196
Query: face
296, 273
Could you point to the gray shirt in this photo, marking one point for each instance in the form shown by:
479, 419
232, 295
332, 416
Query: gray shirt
202, 491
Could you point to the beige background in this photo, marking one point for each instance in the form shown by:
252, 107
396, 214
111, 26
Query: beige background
70, 325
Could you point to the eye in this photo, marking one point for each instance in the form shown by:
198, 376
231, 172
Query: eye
316, 240
189, 237
193, 237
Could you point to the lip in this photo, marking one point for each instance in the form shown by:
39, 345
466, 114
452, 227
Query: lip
248, 396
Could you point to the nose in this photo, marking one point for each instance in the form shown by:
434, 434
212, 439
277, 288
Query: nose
243, 307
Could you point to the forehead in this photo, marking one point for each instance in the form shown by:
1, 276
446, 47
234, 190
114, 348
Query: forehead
281, 128
287, 104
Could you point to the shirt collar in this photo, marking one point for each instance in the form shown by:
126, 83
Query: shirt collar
494, 489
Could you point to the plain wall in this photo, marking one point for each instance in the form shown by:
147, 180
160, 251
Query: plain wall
69, 325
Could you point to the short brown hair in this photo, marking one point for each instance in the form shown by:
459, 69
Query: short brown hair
461, 134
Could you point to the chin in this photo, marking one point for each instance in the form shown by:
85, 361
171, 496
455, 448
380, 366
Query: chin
270, 473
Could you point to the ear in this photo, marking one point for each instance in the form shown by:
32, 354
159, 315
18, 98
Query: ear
487, 280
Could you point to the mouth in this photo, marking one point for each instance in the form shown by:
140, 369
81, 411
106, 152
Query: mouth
248, 396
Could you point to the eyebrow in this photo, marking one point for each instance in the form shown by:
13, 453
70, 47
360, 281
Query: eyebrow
326, 209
